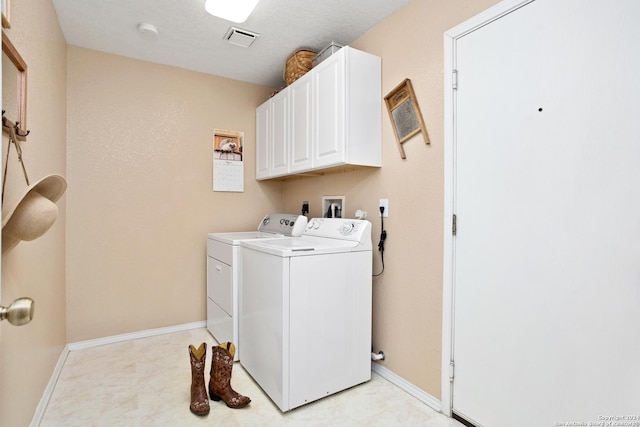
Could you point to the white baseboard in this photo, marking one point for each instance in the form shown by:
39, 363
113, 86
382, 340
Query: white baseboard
135, 335
405, 385
48, 391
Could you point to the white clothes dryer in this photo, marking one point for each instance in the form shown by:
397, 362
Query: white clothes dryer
224, 273
305, 311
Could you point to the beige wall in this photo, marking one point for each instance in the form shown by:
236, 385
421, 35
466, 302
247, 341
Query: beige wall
35, 269
140, 200
407, 298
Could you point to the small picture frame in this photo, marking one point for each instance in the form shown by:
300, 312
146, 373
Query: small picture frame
405, 115
6, 17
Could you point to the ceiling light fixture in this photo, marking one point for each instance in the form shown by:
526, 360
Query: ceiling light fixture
231, 10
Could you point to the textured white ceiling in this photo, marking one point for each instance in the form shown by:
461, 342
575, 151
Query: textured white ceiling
190, 38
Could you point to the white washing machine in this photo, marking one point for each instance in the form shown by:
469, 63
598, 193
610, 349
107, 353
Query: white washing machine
224, 274
305, 311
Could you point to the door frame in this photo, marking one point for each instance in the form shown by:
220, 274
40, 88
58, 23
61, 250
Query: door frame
448, 280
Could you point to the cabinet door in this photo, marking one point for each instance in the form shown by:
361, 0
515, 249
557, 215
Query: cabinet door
300, 114
263, 136
280, 134
329, 111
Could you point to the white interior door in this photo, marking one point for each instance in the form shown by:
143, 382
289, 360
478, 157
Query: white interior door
546, 276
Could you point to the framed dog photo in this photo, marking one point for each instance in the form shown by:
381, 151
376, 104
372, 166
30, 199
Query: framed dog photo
405, 115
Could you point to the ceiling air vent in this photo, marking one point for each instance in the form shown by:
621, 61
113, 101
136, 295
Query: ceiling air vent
240, 37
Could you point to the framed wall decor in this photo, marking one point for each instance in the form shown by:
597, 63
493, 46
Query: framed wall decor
405, 115
6, 22
14, 89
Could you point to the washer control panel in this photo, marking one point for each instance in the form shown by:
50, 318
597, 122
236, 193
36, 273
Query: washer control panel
285, 224
358, 230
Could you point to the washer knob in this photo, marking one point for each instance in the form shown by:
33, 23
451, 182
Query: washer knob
347, 227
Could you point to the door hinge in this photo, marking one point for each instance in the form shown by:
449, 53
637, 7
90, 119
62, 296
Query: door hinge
451, 369
454, 226
454, 80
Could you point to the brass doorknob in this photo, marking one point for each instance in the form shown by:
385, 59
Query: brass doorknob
19, 312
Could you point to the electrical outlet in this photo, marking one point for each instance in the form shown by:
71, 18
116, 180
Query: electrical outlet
384, 203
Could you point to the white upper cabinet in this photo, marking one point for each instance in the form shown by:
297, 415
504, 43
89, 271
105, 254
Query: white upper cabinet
329, 111
263, 137
272, 137
301, 147
280, 132
331, 116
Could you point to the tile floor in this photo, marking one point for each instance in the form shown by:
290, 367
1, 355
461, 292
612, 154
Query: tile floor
145, 382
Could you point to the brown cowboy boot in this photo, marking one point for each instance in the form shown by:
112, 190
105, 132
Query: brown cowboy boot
199, 400
220, 381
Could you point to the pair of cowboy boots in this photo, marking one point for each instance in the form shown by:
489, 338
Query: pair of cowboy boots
219, 381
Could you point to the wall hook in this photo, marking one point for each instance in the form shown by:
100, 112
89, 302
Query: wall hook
6, 123
17, 129
4, 120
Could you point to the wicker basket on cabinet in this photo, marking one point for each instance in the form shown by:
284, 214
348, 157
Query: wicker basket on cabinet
298, 64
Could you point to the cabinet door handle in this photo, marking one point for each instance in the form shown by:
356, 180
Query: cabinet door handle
219, 268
